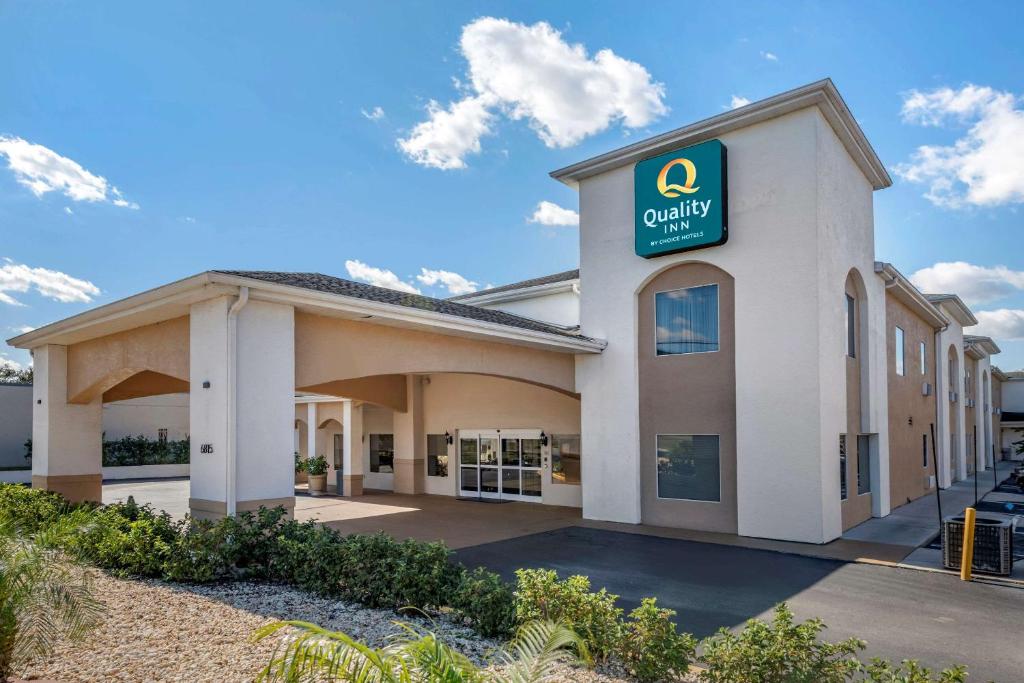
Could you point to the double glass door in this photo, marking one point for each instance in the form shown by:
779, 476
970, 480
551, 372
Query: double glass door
500, 464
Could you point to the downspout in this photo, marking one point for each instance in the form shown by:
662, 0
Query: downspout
232, 435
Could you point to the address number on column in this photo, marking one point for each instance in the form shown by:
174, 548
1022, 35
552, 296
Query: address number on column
206, 448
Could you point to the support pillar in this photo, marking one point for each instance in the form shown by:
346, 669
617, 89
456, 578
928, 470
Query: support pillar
352, 449
410, 442
241, 407
311, 430
67, 439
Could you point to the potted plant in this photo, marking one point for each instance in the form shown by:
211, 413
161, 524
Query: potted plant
316, 468
300, 469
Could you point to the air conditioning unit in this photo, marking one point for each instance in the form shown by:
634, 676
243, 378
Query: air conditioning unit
993, 544
926, 389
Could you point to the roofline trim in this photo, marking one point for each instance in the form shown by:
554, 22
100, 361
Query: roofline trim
912, 296
822, 94
220, 284
482, 297
961, 312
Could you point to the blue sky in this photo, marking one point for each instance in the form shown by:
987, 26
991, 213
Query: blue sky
269, 136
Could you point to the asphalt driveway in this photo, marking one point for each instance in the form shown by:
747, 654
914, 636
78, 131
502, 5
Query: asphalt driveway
903, 614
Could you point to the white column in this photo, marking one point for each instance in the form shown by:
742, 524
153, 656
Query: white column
67, 446
263, 358
311, 430
942, 427
352, 448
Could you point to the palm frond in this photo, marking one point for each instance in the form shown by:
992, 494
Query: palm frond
537, 651
316, 653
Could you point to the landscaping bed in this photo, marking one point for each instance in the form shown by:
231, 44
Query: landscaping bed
155, 631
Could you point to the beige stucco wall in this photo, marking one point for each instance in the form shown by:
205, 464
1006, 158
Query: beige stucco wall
688, 394
911, 413
331, 349
160, 350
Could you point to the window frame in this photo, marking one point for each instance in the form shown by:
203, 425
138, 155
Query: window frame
551, 451
867, 485
844, 485
901, 356
718, 316
851, 326
369, 442
446, 454
657, 489
923, 352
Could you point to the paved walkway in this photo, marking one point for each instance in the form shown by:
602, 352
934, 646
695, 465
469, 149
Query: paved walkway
916, 523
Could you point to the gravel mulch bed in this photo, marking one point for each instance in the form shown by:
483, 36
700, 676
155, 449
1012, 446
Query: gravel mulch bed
154, 631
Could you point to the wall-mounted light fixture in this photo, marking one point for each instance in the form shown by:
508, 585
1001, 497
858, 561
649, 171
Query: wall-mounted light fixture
448, 438
543, 439
206, 384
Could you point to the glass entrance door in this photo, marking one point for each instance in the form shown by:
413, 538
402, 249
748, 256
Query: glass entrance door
503, 464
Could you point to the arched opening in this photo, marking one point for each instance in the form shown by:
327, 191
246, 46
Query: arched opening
858, 458
687, 387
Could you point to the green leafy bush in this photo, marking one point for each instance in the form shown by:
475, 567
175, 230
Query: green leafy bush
316, 466
138, 450
652, 648
779, 652
540, 596
881, 671
127, 539
31, 510
486, 602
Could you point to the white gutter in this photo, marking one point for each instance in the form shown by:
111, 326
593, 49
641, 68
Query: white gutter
232, 411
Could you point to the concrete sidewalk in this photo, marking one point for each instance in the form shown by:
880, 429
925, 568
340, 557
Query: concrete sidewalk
916, 523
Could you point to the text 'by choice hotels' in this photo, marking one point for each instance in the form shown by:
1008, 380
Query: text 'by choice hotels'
680, 200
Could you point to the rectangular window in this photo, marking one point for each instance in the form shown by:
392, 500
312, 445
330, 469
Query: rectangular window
686, 320
688, 467
924, 358
901, 368
339, 454
382, 453
161, 435
851, 326
924, 450
863, 464
437, 455
565, 458
842, 467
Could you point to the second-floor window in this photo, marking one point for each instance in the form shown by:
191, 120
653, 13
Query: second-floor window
901, 367
686, 320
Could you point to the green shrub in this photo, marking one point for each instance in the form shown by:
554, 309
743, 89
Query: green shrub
540, 596
127, 539
316, 466
651, 647
881, 671
485, 601
138, 450
310, 556
780, 652
30, 510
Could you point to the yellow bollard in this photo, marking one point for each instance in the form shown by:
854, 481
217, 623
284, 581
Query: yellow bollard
967, 558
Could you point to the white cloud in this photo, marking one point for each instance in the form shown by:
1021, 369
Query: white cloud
770, 56
42, 170
985, 166
1004, 323
974, 284
549, 213
52, 284
455, 284
378, 277
375, 114
22, 329
449, 135
68, 211
10, 362
738, 101
532, 73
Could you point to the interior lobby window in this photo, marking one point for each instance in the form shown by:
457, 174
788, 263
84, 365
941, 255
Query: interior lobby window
382, 453
901, 368
863, 464
565, 458
686, 320
688, 467
851, 329
842, 467
437, 455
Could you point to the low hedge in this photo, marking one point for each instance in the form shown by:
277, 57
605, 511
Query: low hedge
138, 450
372, 569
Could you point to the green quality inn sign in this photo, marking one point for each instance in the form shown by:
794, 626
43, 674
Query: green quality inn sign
680, 200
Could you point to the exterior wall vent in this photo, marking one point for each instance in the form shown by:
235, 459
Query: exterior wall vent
926, 389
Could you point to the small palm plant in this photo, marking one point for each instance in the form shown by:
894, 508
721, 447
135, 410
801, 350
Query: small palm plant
416, 656
43, 599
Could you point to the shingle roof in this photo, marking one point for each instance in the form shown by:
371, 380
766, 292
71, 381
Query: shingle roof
534, 282
319, 282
